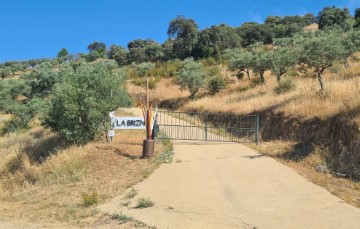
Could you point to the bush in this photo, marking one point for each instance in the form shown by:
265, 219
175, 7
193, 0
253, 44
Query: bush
216, 84
240, 75
244, 88
152, 83
143, 68
144, 203
285, 86
121, 217
213, 71
191, 76
81, 102
90, 199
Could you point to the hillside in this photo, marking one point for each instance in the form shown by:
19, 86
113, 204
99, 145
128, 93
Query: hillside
303, 128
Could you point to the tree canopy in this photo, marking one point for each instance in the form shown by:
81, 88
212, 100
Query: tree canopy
185, 33
333, 16
82, 100
191, 76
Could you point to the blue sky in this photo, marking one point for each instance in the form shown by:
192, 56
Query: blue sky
40, 28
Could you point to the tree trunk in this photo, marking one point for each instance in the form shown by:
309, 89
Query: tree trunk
278, 78
248, 73
319, 72
262, 79
193, 94
346, 63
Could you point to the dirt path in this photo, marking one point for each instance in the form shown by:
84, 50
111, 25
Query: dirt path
232, 186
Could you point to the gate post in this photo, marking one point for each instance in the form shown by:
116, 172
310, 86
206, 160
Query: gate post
257, 130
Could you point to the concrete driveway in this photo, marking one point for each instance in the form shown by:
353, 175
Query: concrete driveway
231, 186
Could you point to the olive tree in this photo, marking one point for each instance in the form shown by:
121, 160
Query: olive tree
191, 75
81, 101
321, 52
241, 60
261, 61
351, 44
41, 79
281, 59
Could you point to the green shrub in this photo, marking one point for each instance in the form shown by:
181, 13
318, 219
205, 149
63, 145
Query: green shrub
172, 67
285, 86
90, 199
131, 194
121, 217
143, 69
138, 82
144, 203
244, 88
216, 84
240, 75
335, 69
191, 75
208, 61
152, 83
213, 71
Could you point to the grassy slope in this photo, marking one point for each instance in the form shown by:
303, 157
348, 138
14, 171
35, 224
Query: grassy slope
50, 190
342, 94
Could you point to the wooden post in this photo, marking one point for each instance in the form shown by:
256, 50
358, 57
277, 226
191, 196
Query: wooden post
148, 144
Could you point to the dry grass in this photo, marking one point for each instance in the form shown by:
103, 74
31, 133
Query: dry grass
312, 27
341, 95
165, 89
347, 190
53, 190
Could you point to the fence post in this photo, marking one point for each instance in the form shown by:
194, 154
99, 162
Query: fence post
206, 127
257, 130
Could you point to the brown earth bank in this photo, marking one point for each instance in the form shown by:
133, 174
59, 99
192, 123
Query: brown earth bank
338, 135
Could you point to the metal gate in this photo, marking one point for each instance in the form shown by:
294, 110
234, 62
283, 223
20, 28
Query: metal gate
208, 127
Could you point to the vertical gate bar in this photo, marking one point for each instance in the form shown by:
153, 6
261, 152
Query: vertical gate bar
179, 132
206, 126
257, 130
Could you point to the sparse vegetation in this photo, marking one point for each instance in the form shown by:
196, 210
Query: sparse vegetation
144, 203
285, 86
121, 217
131, 194
90, 199
167, 155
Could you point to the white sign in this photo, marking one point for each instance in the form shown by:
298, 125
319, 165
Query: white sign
128, 123
111, 133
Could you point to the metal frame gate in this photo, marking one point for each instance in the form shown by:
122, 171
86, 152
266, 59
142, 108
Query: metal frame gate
207, 127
